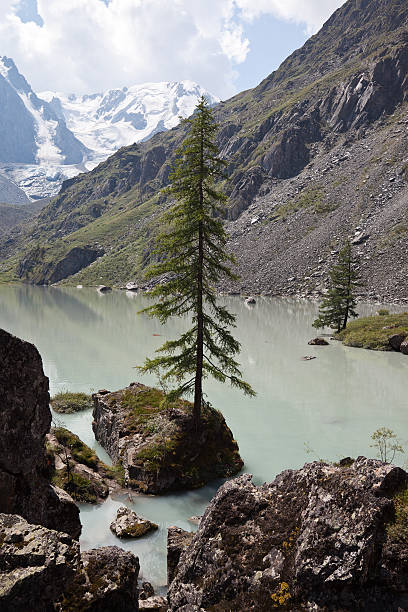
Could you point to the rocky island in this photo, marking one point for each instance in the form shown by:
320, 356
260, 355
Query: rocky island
157, 445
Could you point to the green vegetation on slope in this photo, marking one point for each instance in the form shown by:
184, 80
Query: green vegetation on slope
114, 206
374, 332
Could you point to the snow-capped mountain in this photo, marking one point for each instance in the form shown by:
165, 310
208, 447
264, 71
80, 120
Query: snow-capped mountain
30, 131
104, 122
49, 137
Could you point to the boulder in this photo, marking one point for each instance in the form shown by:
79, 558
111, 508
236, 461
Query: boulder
131, 287
404, 347
129, 525
250, 300
157, 444
36, 565
106, 581
396, 340
312, 538
318, 342
104, 289
177, 541
25, 487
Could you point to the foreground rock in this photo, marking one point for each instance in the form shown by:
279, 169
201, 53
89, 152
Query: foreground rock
36, 565
129, 525
25, 418
107, 580
157, 602
157, 445
311, 540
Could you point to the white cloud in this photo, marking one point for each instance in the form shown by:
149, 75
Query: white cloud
313, 13
86, 45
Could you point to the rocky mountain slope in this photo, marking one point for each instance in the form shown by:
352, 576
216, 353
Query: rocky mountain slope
316, 153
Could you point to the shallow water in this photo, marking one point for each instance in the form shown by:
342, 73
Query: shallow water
332, 404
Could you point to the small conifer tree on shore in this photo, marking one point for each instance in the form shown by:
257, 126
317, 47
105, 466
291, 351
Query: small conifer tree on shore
340, 302
192, 259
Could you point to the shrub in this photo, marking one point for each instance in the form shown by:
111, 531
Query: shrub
383, 312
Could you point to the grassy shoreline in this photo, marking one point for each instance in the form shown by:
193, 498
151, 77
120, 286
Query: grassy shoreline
373, 332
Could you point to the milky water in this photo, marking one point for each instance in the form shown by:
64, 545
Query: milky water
332, 404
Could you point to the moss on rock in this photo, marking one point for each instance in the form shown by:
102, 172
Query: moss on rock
159, 447
67, 402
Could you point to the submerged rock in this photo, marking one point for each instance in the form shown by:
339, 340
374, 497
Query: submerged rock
129, 525
25, 419
36, 565
157, 445
318, 342
312, 539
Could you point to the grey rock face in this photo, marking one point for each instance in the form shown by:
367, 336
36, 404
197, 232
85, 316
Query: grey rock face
36, 565
319, 530
25, 419
177, 541
129, 525
10, 193
71, 263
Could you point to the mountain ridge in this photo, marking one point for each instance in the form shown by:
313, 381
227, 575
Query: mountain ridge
45, 139
298, 146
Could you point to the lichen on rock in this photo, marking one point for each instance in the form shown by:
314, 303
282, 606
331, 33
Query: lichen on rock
36, 565
157, 443
312, 539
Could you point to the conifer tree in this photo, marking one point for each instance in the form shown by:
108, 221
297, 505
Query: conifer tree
340, 302
192, 259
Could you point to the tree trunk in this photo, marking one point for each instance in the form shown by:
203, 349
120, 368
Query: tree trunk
198, 389
198, 383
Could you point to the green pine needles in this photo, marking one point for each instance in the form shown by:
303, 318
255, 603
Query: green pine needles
191, 261
340, 302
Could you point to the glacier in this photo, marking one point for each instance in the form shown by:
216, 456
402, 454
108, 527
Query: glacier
48, 137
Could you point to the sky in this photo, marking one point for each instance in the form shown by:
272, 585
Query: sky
87, 46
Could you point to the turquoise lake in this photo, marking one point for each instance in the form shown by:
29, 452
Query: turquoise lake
331, 404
